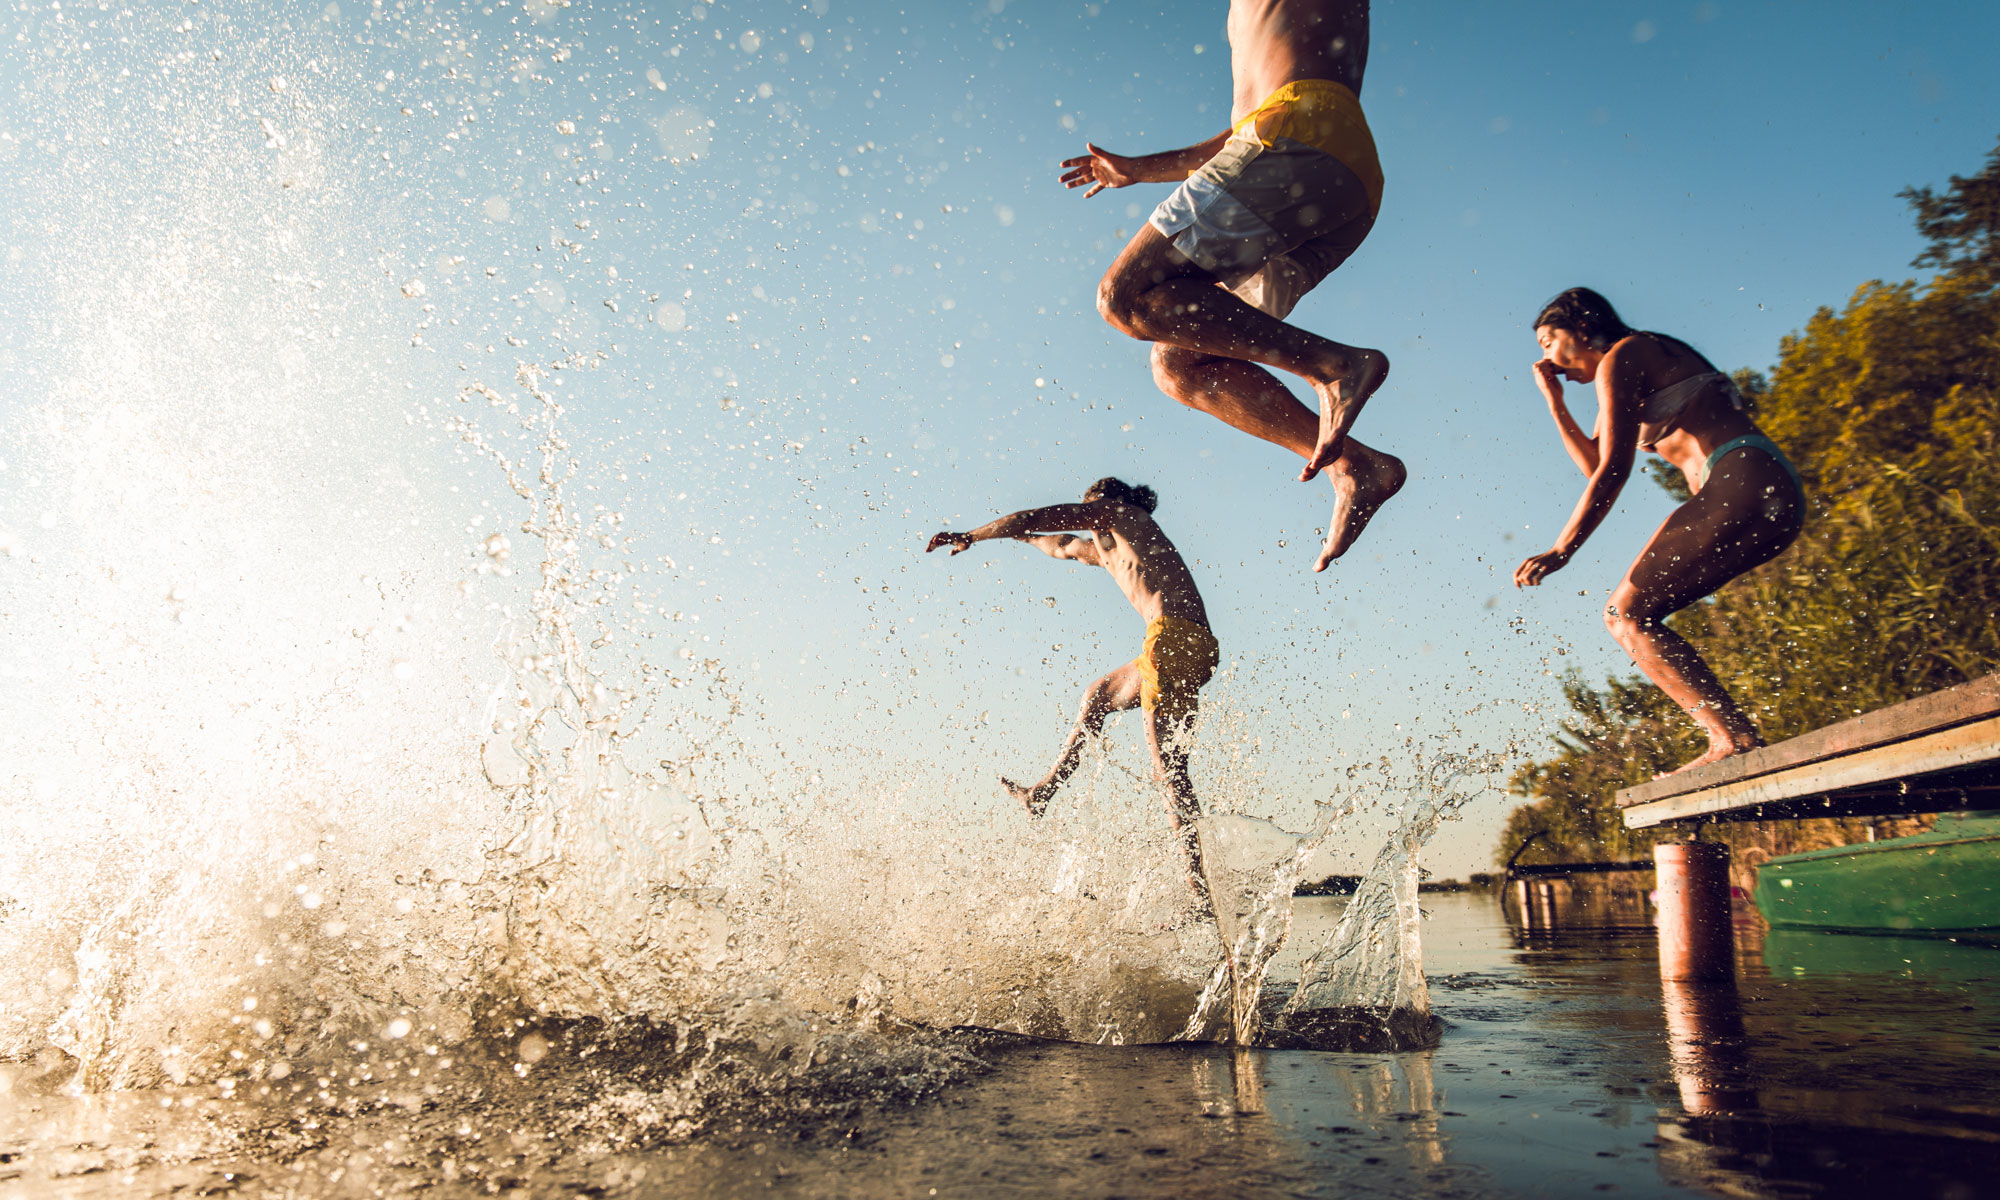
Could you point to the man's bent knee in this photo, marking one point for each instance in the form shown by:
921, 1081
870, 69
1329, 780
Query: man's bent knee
1125, 300
1107, 695
1176, 371
1116, 303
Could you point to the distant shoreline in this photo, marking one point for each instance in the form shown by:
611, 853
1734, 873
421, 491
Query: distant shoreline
1345, 885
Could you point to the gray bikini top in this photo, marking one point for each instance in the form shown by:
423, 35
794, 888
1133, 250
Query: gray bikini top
1661, 412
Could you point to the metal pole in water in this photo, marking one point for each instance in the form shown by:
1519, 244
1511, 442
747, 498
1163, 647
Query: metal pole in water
1696, 941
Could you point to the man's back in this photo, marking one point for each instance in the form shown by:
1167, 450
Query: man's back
1274, 42
1146, 566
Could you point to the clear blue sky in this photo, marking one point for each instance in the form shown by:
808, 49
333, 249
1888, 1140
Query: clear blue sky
845, 304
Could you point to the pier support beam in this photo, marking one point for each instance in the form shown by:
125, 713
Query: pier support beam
1696, 941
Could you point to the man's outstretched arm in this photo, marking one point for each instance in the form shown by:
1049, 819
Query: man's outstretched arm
1017, 525
1063, 545
1102, 169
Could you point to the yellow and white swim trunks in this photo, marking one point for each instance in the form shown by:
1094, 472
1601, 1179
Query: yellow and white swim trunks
1291, 194
1179, 657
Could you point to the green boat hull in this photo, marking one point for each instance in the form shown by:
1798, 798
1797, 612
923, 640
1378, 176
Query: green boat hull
1946, 881
1963, 958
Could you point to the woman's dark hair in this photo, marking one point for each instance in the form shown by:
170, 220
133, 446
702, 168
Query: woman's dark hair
1590, 316
1111, 488
1587, 315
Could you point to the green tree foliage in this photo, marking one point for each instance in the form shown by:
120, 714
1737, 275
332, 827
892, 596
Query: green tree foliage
1890, 407
1963, 225
1623, 733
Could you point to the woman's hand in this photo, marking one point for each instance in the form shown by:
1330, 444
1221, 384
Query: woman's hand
1099, 169
1549, 377
1540, 567
958, 542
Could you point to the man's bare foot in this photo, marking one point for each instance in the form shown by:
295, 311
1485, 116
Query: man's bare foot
1717, 751
1340, 401
1035, 804
1359, 492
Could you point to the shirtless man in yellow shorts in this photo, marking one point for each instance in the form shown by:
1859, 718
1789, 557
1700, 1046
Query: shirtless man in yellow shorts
1264, 211
1180, 653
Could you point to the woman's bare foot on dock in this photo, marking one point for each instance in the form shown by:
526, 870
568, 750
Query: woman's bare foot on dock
1340, 401
1717, 751
1359, 492
1036, 805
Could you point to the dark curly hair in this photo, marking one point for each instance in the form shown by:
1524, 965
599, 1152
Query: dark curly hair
1590, 316
1112, 488
1586, 314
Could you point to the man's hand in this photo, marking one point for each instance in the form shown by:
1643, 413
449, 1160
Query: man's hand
1549, 377
1540, 567
1099, 169
959, 542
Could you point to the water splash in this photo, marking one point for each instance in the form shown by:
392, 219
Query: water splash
1364, 984
1370, 969
1254, 868
603, 901
276, 822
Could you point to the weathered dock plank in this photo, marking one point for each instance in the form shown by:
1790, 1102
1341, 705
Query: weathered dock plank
1935, 752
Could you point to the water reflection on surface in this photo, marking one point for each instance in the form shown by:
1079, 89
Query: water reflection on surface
1831, 1066
1711, 1060
1600, 900
1833, 1063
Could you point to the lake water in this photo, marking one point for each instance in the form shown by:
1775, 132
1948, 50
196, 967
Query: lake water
1836, 1065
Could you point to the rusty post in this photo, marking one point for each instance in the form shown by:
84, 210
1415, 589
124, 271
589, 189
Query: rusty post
1696, 941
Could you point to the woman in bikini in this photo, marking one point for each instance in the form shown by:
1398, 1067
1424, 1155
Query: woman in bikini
1657, 393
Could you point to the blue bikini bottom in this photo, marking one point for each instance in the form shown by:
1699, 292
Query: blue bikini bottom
1754, 441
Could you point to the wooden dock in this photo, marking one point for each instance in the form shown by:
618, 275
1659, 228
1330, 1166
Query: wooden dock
1937, 753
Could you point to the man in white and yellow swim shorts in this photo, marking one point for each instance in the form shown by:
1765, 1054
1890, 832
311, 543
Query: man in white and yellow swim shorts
1180, 654
1264, 211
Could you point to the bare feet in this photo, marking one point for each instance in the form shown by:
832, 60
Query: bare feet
1719, 750
1359, 492
1035, 804
1340, 401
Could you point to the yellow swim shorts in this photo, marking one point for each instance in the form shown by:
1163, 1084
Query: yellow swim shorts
1326, 116
1179, 657
1291, 194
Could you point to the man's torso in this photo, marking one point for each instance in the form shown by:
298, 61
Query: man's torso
1147, 568
1274, 42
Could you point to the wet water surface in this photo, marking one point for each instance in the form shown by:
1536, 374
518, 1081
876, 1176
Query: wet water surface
1835, 1065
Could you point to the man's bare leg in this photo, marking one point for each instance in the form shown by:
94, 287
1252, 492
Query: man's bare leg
1152, 292
1170, 767
1252, 399
1116, 692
